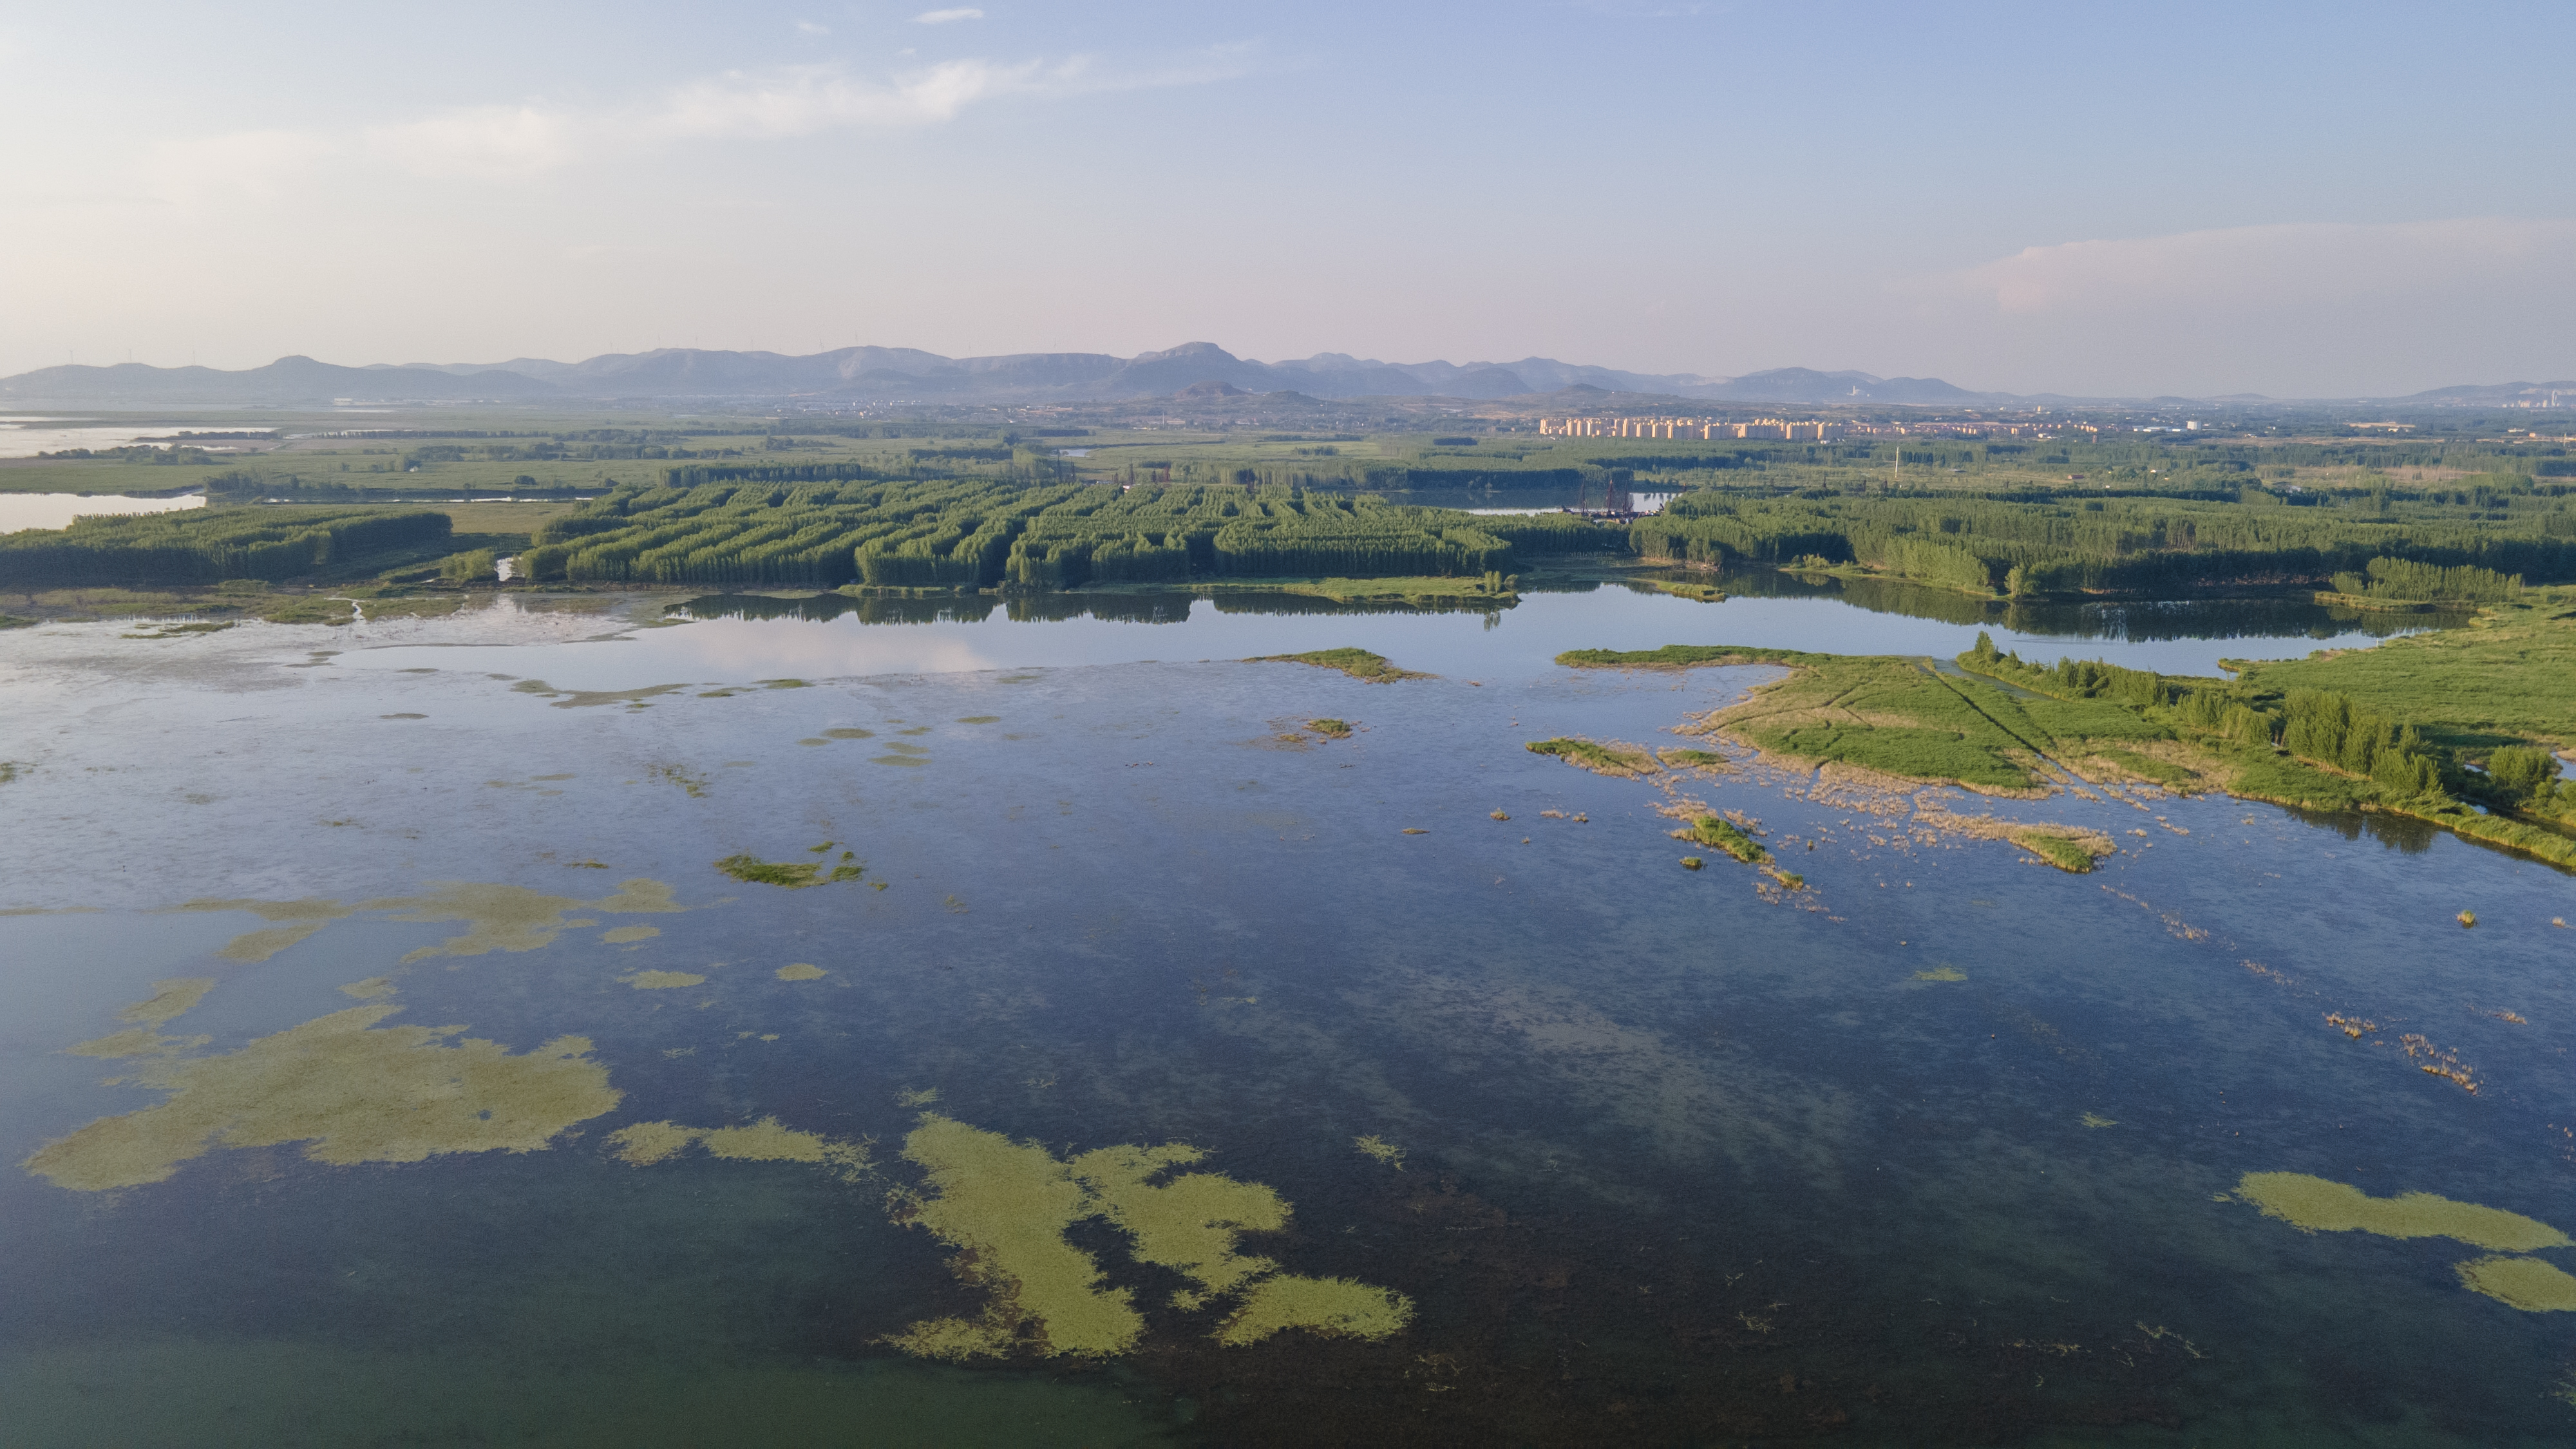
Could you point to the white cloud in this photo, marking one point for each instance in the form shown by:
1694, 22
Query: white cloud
491, 142
504, 143
808, 27
800, 100
2361, 264
944, 17
256, 164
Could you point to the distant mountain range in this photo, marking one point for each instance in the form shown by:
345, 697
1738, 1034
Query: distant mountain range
898, 375
902, 375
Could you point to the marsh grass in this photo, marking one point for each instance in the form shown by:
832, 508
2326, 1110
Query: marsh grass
1359, 664
1331, 729
1722, 834
1621, 761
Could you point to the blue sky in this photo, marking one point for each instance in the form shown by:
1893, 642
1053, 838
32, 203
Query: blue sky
2296, 200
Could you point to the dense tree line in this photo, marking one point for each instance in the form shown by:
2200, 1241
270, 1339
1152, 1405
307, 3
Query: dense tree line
2127, 545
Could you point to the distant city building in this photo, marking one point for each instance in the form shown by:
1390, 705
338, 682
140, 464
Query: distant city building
1704, 429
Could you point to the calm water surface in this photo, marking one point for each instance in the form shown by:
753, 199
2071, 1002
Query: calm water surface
1941, 1150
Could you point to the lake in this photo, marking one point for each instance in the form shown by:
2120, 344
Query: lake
57, 510
1393, 1088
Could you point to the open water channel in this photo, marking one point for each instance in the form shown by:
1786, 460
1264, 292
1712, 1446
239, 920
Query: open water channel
386, 1060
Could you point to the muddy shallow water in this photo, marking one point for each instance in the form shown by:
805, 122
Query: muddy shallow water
508, 1113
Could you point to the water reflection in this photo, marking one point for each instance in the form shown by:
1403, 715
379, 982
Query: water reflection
2128, 620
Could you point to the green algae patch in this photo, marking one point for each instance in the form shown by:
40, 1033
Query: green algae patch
1359, 664
2096, 1119
623, 934
794, 875
662, 980
980, 719
1331, 729
1332, 1307
898, 760
1943, 972
849, 732
369, 989
802, 971
350, 1090
2525, 1283
2315, 1205
646, 1143
1006, 1207
1381, 1150
169, 999
1614, 759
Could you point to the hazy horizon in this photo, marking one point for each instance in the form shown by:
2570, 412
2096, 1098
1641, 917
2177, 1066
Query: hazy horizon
2011, 198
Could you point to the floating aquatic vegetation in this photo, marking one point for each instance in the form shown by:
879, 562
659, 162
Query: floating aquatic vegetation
369, 989
304, 917
1943, 972
2315, 1205
980, 719
136, 1041
1331, 729
621, 935
2525, 1283
1414, 830
1692, 862
849, 732
639, 897
1006, 1207
2438, 1061
662, 980
2096, 1119
350, 1090
500, 917
694, 784
802, 971
1381, 1149
787, 875
2468, 918
907, 760
646, 1143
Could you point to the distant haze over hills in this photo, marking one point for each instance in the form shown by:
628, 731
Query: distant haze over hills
898, 375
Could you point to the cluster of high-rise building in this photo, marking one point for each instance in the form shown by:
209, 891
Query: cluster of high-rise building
1702, 428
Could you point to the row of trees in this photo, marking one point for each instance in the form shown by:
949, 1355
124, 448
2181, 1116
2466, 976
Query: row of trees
203, 546
796, 529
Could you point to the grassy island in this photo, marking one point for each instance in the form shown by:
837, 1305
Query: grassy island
2462, 728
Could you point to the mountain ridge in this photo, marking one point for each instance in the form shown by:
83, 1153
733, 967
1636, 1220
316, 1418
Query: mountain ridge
900, 375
